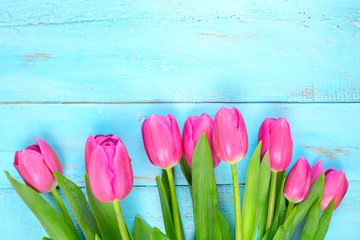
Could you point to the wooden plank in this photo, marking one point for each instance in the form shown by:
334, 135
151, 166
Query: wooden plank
13, 211
320, 131
228, 51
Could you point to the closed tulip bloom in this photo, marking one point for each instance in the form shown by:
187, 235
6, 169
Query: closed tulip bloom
230, 137
194, 127
162, 140
316, 170
109, 168
336, 186
276, 138
92, 142
35, 165
298, 181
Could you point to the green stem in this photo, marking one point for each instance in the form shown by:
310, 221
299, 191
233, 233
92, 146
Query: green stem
272, 197
175, 207
289, 209
120, 220
62, 207
237, 204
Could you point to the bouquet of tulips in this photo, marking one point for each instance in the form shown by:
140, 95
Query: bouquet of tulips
273, 205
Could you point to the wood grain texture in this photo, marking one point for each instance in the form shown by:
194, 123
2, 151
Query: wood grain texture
320, 131
13, 210
72, 68
196, 51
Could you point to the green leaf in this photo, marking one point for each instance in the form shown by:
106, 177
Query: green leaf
156, 234
324, 222
280, 207
45, 238
141, 230
311, 222
104, 214
205, 200
280, 234
97, 237
264, 216
262, 195
165, 208
226, 232
301, 209
52, 221
77, 202
165, 181
186, 170
266, 236
282, 211
129, 233
250, 195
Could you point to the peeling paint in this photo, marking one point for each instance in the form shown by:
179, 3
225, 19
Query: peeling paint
32, 57
219, 36
329, 153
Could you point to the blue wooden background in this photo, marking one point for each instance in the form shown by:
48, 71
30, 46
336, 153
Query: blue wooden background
73, 68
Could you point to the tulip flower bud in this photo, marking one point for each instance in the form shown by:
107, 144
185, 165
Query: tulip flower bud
316, 170
276, 138
35, 165
109, 168
230, 137
336, 186
194, 127
162, 140
298, 181
92, 142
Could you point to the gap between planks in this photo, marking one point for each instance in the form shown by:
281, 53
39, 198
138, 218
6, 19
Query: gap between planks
174, 102
181, 185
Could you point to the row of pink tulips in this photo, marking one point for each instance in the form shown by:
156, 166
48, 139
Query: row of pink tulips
111, 176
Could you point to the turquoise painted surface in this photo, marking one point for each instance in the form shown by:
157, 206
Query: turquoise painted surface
298, 51
73, 68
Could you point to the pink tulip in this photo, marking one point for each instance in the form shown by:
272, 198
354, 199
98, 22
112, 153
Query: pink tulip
230, 137
109, 167
316, 170
92, 142
298, 181
276, 138
194, 127
35, 165
336, 186
162, 140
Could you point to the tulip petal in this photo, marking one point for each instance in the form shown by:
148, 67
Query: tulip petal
50, 157
144, 127
34, 147
100, 138
205, 124
336, 186
162, 140
177, 138
33, 170
109, 150
194, 127
101, 175
264, 136
229, 135
109, 140
298, 181
89, 147
188, 140
316, 170
281, 145
122, 171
